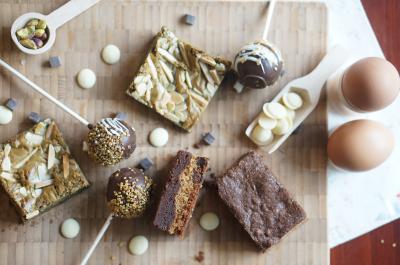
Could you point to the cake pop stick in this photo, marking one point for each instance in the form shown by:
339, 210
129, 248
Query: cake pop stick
271, 8
259, 64
128, 193
109, 141
44, 93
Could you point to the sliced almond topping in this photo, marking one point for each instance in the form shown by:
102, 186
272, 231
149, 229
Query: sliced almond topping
208, 60
139, 79
167, 55
182, 49
152, 68
7, 149
49, 131
8, 176
51, 158
141, 89
43, 183
167, 71
23, 161
6, 164
180, 107
206, 73
40, 128
172, 117
187, 79
199, 99
33, 139
215, 76
176, 97
182, 115
66, 165
170, 106
180, 81
32, 214
220, 67
211, 88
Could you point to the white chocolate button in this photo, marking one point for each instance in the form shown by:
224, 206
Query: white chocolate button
111, 54
290, 114
274, 110
138, 245
6, 115
209, 221
86, 78
266, 122
158, 137
292, 100
262, 135
283, 126
70, 228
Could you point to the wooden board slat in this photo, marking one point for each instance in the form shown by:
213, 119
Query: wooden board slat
299, 29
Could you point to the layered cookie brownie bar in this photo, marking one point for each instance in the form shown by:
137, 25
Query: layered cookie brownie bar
259, 202
37, 170
180, 193
177, 80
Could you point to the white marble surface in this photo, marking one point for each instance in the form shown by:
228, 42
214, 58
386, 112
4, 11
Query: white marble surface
359, 202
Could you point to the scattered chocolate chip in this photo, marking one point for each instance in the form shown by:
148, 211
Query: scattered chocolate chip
299, 129
199, 257
145, 164
189, 19
34, 117
11, 104
55, 61
121, 116
208, 138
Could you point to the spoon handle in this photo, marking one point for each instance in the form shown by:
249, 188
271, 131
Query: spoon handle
68, 11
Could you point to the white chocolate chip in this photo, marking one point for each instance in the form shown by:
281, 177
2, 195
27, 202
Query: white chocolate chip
138, 245
266, 122
70, 228
158, 137
292, 100
111, 54
262, 135
86, 78
274, 110
283, 126
6, 115
209, 221
290, 114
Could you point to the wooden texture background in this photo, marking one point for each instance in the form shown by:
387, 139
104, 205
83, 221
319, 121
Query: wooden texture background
299, 29
368, 249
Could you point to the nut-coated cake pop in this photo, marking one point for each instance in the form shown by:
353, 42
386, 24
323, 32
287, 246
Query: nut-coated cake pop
128, 192
110, 141
258, 65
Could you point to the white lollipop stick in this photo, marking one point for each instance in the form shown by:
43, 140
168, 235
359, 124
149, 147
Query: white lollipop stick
271, 8
44, 93
97, 240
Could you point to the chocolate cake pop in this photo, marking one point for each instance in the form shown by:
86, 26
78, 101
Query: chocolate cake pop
128, 192
110, 141
258, 65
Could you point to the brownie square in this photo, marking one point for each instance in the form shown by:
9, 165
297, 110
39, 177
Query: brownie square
180, 194
177, 80
259, 202
38, 171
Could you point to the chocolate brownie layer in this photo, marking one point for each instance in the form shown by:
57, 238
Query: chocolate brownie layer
180, 193
259, 202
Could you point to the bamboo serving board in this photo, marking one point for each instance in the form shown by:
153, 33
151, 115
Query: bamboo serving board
299, 29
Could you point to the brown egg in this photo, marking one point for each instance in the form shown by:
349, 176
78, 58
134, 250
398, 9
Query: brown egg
360, 145
371, 84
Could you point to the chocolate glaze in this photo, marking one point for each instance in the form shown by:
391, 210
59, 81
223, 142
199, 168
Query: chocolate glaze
133, 175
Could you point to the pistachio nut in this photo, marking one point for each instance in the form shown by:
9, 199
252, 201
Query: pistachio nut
39, 33
30, 44
23, 33
33, 22
42, 24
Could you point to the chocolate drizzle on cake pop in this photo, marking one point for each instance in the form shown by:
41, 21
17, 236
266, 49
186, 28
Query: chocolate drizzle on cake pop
258, 64
128, 192
110, 141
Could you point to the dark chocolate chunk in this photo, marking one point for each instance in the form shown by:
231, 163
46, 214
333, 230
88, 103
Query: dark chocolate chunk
145, 164
11, 104
189, 19
35, 117
54, 61
208, 138
264, 208
121, 116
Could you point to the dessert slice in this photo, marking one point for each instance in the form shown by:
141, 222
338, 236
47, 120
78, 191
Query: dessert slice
37, 170
177, 80
180, 193
259, 202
